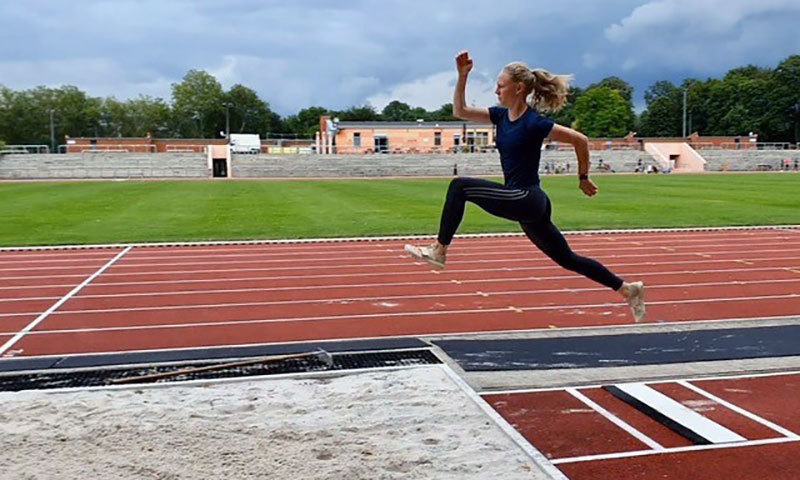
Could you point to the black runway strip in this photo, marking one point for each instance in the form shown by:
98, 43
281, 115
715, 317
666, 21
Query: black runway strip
624, 349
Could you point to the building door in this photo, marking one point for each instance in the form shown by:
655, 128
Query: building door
220, 168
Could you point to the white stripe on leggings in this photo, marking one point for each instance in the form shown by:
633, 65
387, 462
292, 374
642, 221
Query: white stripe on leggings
496, 195
479, 195
495, 190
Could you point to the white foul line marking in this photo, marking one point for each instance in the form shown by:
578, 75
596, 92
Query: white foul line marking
66, 297
741, 411
692, 448
615, 420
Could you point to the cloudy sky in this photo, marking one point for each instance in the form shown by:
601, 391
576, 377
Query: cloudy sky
337, 54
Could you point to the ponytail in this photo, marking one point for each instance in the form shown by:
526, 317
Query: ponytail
548, 91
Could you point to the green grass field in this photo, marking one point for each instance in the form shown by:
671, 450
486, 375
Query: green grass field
50, 213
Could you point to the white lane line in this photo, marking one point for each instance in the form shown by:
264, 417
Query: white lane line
437, 282
691, 424
718, 249
470, 294
385, 286
694, 448
383, 315
538, 458
10, 343
549, 267
334, 300
651, 382
630, 429
465, 250
480, 245
741, 411
634, 232
535, 257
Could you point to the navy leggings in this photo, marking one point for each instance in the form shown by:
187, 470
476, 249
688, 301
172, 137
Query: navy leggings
531, 208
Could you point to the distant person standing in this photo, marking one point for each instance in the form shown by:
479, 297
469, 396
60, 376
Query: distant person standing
521, 129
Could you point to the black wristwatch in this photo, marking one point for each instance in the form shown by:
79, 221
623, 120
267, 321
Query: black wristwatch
583, 177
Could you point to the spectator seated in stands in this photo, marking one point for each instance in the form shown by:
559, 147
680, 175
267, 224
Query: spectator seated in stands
603, 167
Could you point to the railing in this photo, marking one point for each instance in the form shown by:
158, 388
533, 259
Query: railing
756, 146
189, 148
106, 148
702, 145
350, 150
279, 150
615, 146
11, 149
773, 145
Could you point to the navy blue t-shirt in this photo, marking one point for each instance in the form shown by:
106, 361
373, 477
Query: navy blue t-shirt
520, 145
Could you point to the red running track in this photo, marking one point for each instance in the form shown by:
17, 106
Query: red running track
199, 296
585, 445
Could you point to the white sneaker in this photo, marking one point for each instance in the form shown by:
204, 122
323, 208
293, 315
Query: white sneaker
636, 301
429, 254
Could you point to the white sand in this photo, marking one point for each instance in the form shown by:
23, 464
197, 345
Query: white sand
411, 423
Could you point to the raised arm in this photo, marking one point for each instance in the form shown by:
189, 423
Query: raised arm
460, 108
581, 145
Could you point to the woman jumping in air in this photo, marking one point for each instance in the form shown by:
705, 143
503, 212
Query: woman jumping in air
520, 133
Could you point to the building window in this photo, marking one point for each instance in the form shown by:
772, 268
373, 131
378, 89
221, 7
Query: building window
437, 139
457, 139
357, 139
381, 144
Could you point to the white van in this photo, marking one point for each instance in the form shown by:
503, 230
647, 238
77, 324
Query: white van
245, 143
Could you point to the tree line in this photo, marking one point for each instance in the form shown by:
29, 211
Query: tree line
747, 99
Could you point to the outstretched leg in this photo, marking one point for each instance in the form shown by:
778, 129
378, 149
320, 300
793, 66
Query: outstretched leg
545, 235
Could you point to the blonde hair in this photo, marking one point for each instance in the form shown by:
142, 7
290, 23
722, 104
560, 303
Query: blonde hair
548, 91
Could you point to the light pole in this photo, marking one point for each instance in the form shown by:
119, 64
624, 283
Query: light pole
52, 132
684, 112
228, 121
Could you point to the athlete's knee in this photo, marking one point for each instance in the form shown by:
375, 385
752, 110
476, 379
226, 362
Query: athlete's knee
458, 183
456, 187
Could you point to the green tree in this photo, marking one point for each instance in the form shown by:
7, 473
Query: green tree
198, 104
615, 83
785, 100
566, 116
443, 114
740, 103
397, 111
364, 113
114, 119
147, 115
663, 115
6, 104
603, 112
248, 113
306, 123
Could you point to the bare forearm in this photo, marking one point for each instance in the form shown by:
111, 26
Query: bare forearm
582, 152
460, 96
